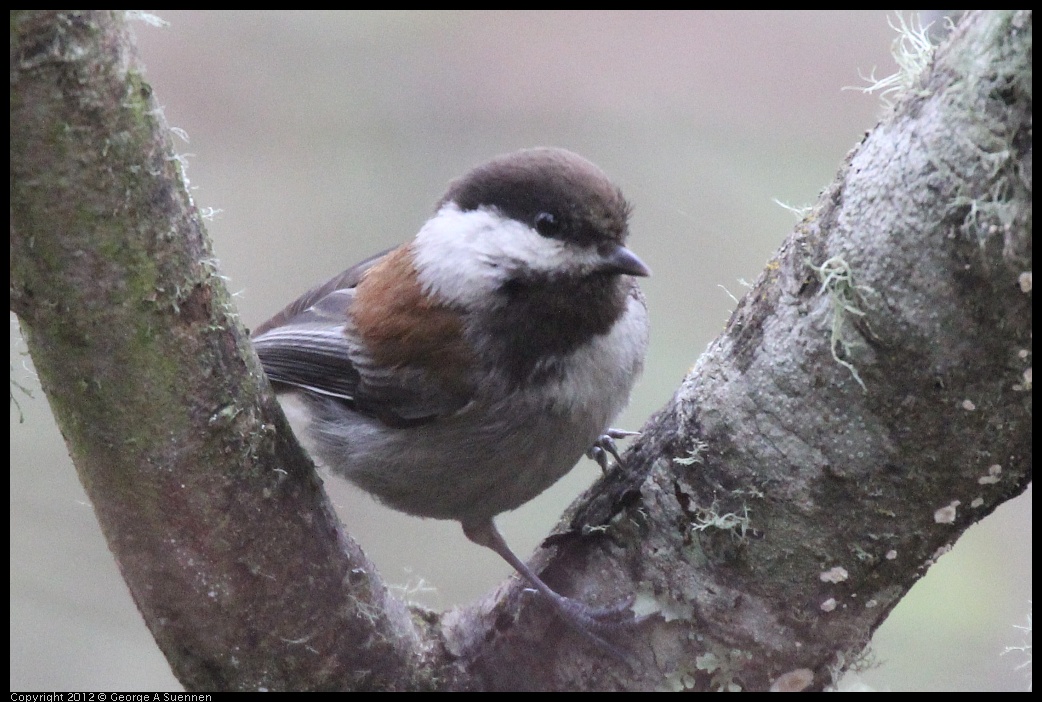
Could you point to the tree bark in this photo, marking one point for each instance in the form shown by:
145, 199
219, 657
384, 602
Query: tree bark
867, 402
219, 525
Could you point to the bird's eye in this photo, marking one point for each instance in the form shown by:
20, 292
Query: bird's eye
546, 224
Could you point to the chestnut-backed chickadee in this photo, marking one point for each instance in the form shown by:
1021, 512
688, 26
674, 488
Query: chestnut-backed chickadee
461, 374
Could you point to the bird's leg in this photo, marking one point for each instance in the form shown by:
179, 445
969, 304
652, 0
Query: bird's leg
583, 618
605, 446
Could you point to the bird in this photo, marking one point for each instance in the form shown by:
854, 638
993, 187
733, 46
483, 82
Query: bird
462, 373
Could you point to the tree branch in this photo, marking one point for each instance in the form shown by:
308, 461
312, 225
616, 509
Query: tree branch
220, 527
868, 401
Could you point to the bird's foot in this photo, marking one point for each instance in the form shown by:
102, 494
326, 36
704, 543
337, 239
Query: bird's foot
605, 446
593, 622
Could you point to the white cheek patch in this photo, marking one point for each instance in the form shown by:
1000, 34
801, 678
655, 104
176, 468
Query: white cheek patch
463, 257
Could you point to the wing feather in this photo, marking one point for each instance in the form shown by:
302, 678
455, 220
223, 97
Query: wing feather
315, 345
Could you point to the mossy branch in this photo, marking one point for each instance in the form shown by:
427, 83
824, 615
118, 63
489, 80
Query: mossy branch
830, 495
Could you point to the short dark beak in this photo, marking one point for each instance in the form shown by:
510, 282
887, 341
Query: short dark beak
622, 260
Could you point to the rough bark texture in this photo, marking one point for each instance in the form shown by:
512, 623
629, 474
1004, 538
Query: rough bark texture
869, 400
223, 534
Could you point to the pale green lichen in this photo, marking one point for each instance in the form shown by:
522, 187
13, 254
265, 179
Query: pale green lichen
847, 298
694, 454
912, 51
711, 518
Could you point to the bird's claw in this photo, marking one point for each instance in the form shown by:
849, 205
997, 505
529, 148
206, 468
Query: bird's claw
605, 446
593, 622
607, 618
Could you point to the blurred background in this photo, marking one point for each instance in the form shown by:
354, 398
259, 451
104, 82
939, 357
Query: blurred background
323, 137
